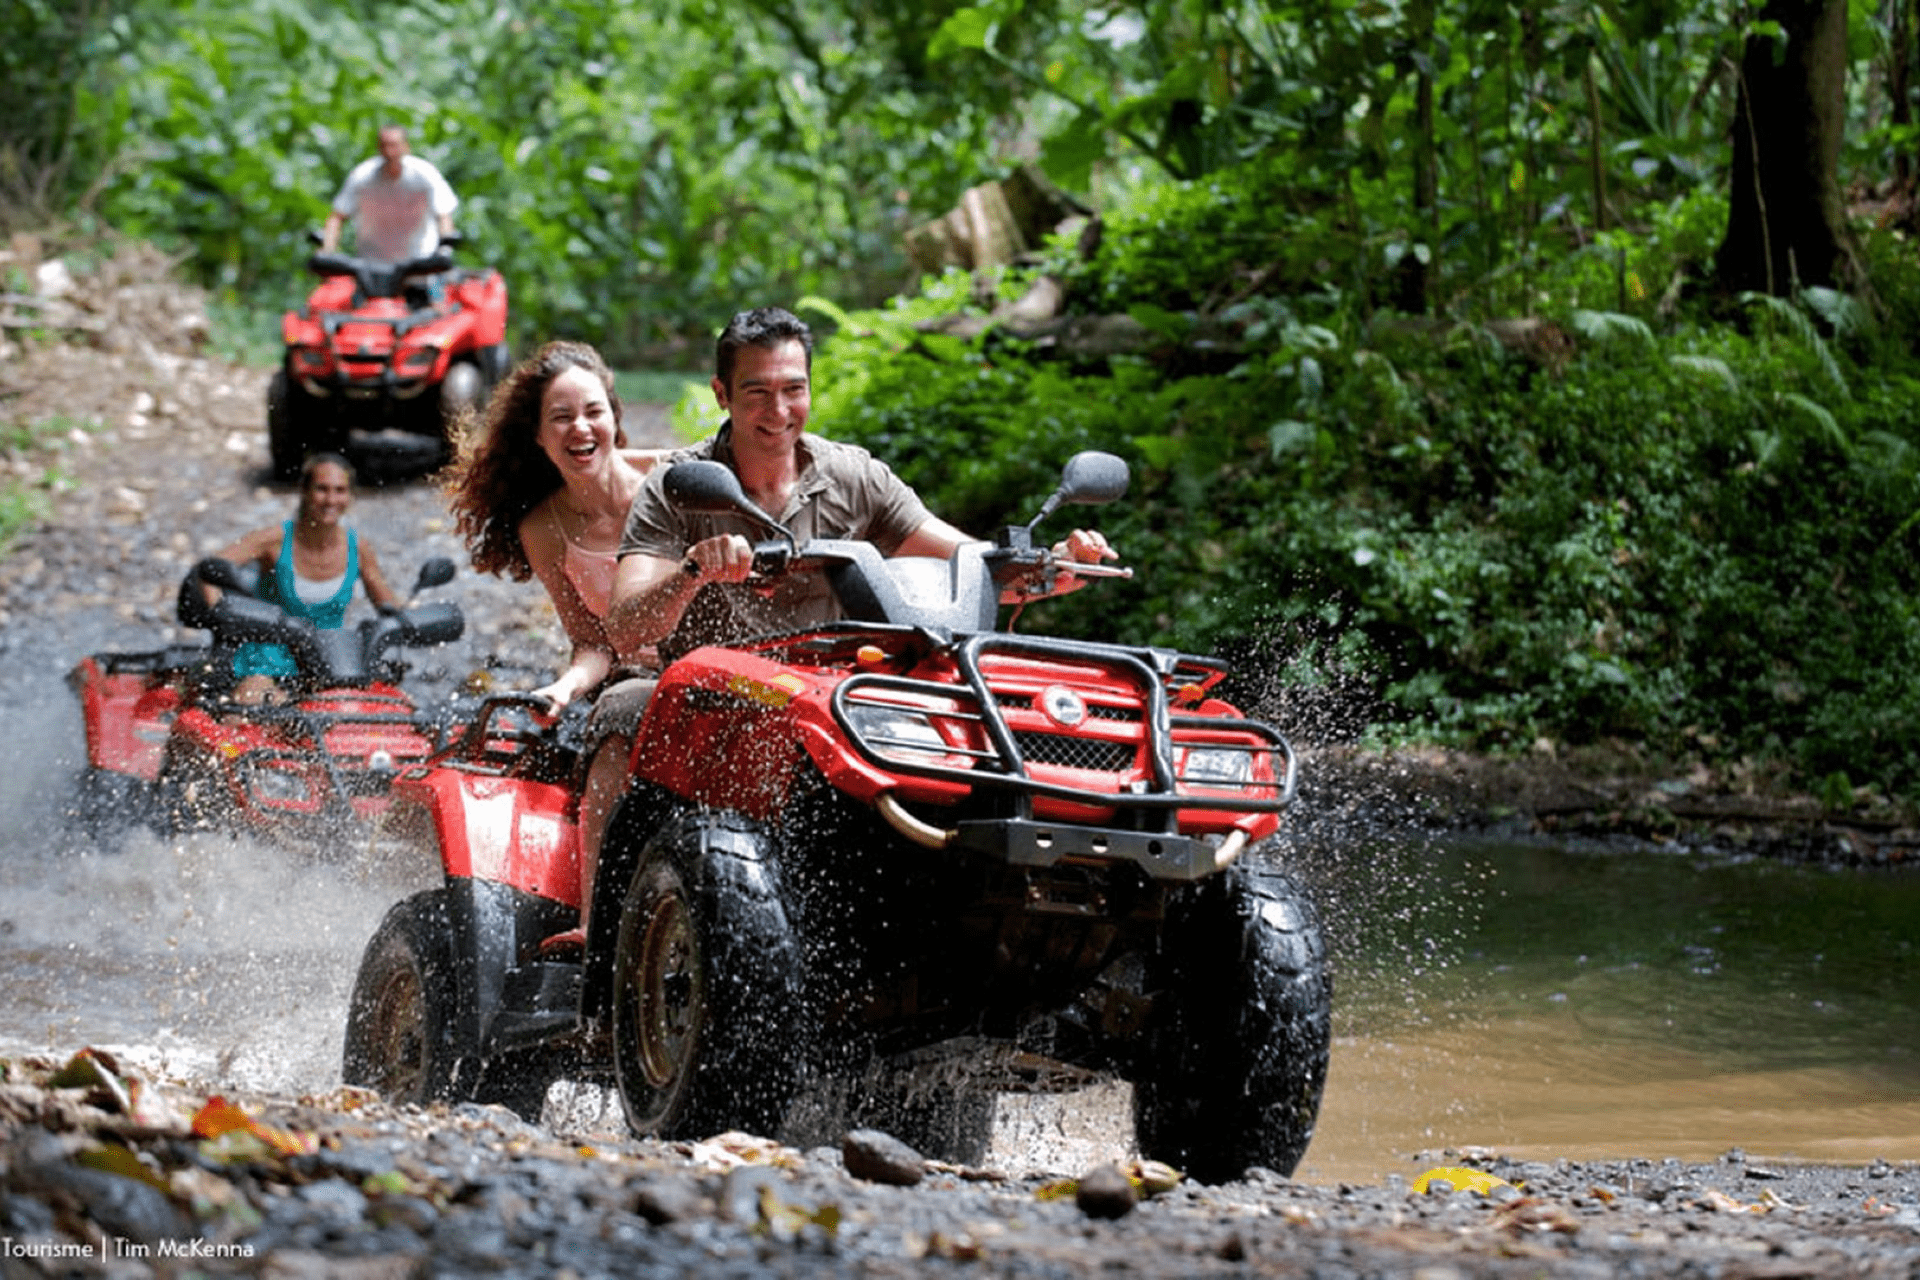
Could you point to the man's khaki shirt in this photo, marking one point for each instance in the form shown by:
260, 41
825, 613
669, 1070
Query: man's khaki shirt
843, 492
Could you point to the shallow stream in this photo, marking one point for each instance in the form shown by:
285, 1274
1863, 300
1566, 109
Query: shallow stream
1608, 1003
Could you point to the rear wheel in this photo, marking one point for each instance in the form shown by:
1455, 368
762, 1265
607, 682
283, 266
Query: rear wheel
1235, 1058
706, 992
496, 362
400, 1034
462, 391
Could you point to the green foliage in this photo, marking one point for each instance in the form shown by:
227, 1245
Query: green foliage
1697, 537
34, 449
637, 173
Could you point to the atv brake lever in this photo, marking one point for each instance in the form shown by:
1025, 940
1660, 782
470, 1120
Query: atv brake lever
1087, 569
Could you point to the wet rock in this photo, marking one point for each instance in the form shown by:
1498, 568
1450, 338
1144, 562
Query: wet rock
874, 1156
1105, 1191
741, 1191
339, 1201
663, 1200
291, 1264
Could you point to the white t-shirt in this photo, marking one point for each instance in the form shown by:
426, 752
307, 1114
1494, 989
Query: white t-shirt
395, 219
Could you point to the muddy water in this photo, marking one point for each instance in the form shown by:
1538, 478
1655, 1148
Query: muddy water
1545, 1002
1623, 1004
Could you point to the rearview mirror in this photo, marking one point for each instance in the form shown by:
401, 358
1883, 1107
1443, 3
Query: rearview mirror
710, 488
1092, 477
435, 572
1089, 478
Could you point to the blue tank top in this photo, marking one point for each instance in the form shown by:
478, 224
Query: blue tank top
280, 588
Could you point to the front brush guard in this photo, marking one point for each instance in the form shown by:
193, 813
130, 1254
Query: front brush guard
1162, 854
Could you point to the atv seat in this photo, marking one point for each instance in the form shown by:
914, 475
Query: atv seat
376, 279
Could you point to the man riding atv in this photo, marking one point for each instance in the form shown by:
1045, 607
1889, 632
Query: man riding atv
683, 579
395, 343
401, 206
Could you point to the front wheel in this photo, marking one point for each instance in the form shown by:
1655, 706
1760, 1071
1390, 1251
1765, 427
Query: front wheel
293, 427
1235, 1058
401, 1041
706, 990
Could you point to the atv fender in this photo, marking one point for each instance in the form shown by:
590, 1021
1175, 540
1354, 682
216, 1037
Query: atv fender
493, 927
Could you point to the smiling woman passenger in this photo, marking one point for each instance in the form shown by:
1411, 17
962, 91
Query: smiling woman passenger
541, 489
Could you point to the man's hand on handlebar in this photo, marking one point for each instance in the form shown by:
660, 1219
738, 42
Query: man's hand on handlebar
1066, 566
725, 557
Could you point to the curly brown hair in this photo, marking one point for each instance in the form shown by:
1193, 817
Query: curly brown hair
499, 472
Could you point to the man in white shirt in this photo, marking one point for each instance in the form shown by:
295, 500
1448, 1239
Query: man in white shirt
400, 204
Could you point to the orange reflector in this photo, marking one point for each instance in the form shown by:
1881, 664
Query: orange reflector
870, 655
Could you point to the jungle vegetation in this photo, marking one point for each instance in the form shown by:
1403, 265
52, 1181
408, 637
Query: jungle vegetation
1497, 373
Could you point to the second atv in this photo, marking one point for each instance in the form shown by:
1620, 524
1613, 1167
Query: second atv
848, 846
166, 744
379, 363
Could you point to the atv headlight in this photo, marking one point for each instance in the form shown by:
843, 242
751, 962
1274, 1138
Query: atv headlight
1217, 767
279, 786
898, 733
417, 362
312, 359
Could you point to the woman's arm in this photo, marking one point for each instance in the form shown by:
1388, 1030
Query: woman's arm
371, 577
592, 656
261, 547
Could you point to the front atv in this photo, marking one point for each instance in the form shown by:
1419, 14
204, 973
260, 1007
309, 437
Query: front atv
379, 364
846, 846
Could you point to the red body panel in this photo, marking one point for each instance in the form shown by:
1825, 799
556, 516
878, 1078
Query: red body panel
128, 718
492, 827
364, 345
730, 729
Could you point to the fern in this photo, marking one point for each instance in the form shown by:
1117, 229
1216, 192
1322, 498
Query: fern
1801, 325
1845, 313
1822, 416
1604, 326
1712, 367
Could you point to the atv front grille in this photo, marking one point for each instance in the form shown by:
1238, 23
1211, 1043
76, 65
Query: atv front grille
1075, 753
1095, 710
961, 729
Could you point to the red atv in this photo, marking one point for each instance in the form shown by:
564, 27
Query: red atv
381, 362
847, 846
165, 743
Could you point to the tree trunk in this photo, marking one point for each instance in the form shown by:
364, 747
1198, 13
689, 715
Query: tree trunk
1786, 226
1410, 283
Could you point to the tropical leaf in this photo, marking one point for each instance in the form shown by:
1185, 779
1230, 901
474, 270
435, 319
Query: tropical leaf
1605, 326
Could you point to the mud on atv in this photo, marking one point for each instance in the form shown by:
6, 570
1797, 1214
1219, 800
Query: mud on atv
378, 368
167, 745
849, 845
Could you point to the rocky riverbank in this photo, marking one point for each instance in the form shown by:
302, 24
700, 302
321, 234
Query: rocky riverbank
106, 1173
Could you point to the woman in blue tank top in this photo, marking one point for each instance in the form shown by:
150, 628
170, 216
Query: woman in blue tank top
308, 566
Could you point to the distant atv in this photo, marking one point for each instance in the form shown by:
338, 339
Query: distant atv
377, 368
167, 745
849, 845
